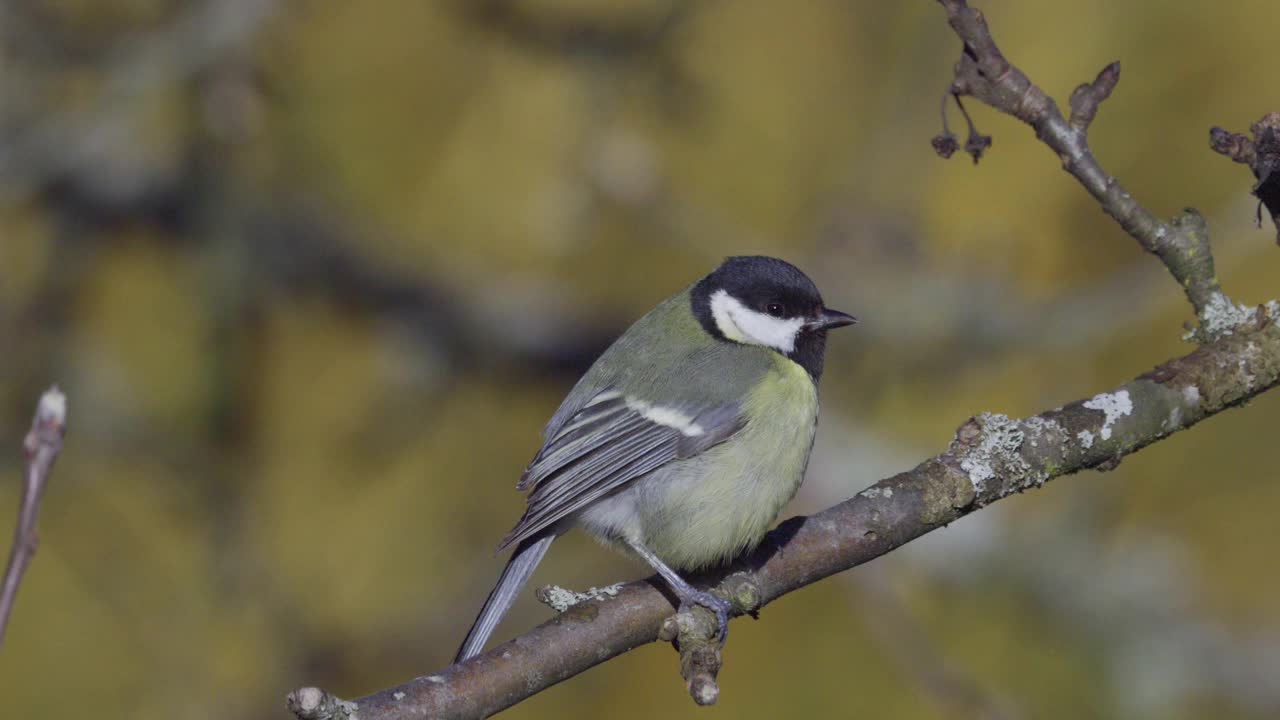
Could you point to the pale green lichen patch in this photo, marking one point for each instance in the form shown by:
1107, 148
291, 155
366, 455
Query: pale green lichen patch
1191, 395
989, 450
1042, 431
1114, 406
534, 681
999, 441
1242, 364
312, 702
561, 599
1220, 317
743, 592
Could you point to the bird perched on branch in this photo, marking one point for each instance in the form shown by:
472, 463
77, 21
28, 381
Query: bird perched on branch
684, 440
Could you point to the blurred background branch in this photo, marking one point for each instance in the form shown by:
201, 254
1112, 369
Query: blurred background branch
90, 146
882, 609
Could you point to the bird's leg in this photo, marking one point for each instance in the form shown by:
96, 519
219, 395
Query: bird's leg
688, 594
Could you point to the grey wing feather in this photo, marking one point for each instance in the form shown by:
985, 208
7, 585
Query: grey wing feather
604, 446
592, 426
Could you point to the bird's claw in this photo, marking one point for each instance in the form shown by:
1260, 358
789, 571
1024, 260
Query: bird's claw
715, 604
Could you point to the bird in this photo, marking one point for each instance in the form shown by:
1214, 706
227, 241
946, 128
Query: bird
683, 441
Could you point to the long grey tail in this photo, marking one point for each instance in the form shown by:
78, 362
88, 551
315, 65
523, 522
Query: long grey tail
526, 557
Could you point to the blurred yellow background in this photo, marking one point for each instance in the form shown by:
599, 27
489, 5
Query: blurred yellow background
313, 275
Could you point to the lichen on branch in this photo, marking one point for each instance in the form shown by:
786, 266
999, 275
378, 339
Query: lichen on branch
991, 457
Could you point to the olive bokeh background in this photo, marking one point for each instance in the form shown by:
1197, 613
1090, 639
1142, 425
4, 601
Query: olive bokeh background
313, 274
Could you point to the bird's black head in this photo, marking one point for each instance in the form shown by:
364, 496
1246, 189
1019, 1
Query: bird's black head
765, 301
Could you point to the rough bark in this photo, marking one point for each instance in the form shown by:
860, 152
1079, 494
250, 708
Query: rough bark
991, 457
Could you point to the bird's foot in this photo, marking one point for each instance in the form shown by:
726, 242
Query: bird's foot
715, 604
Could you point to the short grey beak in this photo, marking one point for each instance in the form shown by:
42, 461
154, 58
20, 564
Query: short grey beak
829, 319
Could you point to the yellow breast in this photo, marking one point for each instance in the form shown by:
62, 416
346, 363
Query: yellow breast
712, 507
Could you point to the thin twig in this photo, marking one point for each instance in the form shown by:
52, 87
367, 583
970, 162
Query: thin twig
41, 445
1181, 243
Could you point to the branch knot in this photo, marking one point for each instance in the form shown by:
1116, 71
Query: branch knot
311, 703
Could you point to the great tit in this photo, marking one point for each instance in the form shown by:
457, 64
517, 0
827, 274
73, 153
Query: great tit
686, 437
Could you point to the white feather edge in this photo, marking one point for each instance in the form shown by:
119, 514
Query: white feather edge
657, 414
666, 416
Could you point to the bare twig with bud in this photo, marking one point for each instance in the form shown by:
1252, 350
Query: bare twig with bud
42, 445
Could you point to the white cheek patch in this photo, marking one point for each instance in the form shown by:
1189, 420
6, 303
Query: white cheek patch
722, 305
742, 324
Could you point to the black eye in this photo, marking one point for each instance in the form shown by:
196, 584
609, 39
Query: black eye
774, 309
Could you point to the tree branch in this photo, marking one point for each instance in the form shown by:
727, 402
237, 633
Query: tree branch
41, 445
1262, 154
991, 456
1181, 243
